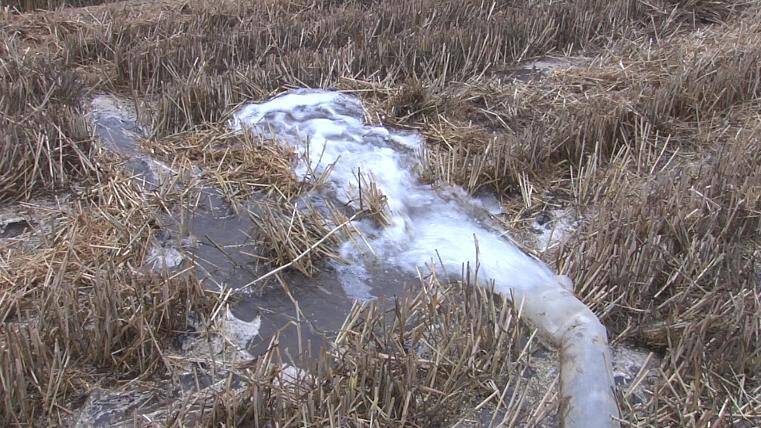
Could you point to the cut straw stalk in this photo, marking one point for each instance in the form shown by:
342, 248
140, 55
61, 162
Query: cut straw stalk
302, 254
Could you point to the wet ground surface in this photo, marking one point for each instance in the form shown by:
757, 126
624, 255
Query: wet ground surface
220, 240
14, 227
541, 67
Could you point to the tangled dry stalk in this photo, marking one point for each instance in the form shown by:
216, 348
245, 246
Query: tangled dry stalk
652, 137
410, 365
238, 164
78, 306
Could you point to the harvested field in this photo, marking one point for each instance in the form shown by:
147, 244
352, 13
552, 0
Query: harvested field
158, 267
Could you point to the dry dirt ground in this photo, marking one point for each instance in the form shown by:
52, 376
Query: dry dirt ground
621, 139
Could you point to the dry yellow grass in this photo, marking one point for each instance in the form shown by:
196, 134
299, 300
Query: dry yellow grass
78, 307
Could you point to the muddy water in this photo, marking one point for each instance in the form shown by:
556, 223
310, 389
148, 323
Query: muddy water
218, 239
305, 312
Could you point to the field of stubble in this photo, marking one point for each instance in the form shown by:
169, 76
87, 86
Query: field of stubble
641, 122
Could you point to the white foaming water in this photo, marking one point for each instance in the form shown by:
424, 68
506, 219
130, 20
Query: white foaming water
427, 225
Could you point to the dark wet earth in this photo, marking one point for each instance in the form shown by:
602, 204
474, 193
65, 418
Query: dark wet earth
14, 227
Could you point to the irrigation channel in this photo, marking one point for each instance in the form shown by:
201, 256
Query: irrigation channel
421, 227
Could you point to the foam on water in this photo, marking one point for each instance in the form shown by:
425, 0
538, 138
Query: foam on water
427, 224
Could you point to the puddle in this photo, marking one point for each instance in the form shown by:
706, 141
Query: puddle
117, 128
553, 227
13, 227
218, 239
443, 226
635, 371
542, 67
24, 223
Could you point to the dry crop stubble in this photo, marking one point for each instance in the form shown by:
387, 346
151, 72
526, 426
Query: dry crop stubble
653, 140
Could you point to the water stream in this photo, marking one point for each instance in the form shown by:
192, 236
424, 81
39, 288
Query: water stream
443, 225
218, 239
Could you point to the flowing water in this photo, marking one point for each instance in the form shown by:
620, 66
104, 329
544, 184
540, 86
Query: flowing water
427, 225
218, 239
